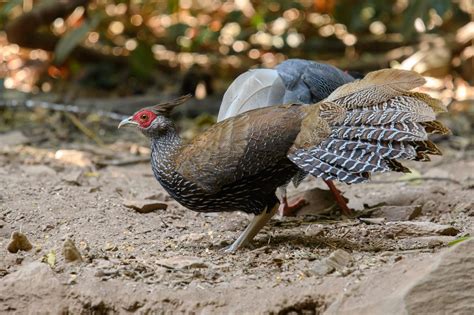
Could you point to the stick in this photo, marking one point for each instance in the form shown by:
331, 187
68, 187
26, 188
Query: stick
89, 133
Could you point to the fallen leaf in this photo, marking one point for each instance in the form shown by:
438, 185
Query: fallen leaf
50, 258
70, 251
75, 157
144, 206
18, 242
459, 240
319, 201
110, 247
91, 174
413, 177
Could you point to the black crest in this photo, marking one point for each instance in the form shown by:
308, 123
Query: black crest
167, 107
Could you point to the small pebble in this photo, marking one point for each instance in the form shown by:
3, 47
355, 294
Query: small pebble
339, 259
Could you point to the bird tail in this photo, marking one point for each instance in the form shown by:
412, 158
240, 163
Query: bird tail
366, 126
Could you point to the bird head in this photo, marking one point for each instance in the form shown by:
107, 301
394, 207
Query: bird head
155, 119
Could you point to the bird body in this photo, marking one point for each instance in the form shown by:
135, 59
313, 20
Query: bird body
244, 160
360, 128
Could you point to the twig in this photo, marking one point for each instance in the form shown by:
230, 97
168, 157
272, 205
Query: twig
259, 249
164, 223
89, 133
447, 179
123, 162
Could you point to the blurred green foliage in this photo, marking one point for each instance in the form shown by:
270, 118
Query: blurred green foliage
141, 35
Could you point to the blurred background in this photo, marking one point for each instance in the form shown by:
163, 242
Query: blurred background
84, 64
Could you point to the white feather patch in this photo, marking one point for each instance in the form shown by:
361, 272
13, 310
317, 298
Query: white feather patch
253, 89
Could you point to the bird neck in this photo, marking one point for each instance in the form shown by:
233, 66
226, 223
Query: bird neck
166, 146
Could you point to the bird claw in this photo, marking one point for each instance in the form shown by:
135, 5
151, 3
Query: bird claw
231, 249
235, 246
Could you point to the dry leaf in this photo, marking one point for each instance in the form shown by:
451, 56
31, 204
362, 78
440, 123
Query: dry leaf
144, 206
18, 242
50, 258
70, 251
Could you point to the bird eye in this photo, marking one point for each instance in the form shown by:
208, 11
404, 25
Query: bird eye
143, 117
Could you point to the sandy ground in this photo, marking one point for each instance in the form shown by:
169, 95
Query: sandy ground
173, 259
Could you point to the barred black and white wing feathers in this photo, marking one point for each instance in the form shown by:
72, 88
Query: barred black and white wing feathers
373, 122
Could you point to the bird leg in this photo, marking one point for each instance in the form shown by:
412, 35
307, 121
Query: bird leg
258, 222
339, 198
286, 209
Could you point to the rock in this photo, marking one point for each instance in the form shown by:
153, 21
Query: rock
339, 259
70, 251
182, 262
407, 228
13, 138
74, 177
420, 242
38, 170
321, 268
144, 206
32, 289
377, 221
440, 284
18, 242
449, 288
398, 213
430, 206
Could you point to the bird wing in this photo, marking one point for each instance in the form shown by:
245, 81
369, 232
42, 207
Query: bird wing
252, 89
371, 122
240, 147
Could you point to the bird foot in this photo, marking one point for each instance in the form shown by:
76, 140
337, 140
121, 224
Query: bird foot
289, 209
340, 200
231, 249
257, 223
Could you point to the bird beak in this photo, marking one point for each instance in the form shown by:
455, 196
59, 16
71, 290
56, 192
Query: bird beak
128, 121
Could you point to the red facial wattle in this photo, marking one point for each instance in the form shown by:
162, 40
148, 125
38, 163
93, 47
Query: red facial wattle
144, 118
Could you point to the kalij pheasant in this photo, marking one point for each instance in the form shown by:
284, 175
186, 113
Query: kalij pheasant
236, 165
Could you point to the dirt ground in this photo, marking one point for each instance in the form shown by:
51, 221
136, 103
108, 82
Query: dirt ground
172, 259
